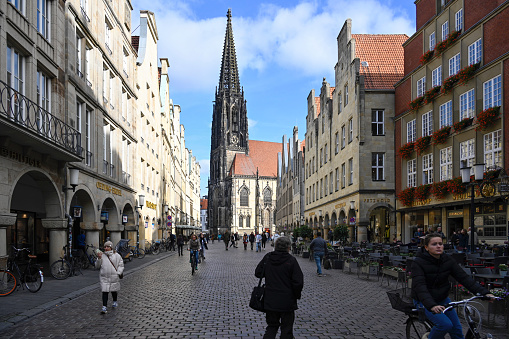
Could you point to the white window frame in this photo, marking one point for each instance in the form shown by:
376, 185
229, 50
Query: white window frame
20, 5
15, 80
337, 179
378, 122
432, 41
343, 136
475, 52
44, 18
492, 92
88, 134
493, 149
376, 167
467, 104
458, 20
326, 185
44, 102
427, 169
467, 153
350, 171
411, 173
350, 130
331, 183
421, 86
445, 30
336, 148
427, 123
436, 77
454, 64
88, 52
346, 95
411, 130
446, 163
343, 175
446, 114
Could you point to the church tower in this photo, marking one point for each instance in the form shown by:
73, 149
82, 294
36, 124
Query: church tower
229, 134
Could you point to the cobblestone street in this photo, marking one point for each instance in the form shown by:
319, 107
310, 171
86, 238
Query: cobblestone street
164, 300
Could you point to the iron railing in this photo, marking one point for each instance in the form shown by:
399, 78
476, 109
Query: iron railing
25, 113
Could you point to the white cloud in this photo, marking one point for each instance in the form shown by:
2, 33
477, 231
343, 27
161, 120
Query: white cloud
204, 168
251, 123
300, 38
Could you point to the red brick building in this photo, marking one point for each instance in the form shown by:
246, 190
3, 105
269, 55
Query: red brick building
456, 65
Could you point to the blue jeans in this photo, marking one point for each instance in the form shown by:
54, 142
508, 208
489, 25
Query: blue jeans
444, 323
195, 253
318, 258
258, 246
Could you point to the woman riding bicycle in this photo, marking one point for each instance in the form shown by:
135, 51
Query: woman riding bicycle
430, 287
194, 246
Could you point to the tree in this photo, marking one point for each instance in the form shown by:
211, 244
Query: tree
306, 232
341, 233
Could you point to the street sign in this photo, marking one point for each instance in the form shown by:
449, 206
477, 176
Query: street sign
169, 217
169, 223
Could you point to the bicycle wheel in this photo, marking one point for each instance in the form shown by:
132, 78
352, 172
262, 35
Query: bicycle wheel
60, 269
32, 278
193, 263
84, 262
141, 253
156, 250
416, 329
7, 283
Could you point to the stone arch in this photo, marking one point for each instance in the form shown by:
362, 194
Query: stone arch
334, 220
326, 221
109, 205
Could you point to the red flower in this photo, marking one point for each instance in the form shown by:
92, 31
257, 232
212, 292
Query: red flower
440, 136
456, 186
439, 189
407, 196
487, 118
461, 125
427, 56
422, 144
406, 150
421, 192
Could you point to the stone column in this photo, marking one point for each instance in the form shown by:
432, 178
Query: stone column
92, 232
115, 232
57, 236
6, 220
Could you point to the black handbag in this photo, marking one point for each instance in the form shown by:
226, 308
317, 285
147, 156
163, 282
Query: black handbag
257, 296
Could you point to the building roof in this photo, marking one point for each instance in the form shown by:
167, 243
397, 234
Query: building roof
135, 41
204, 204
262, 156
382, 59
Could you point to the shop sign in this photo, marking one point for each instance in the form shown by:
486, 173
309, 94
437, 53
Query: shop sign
421, 203
377, 200
151, 205
104, 215
343, 204
458, 213
19, 157
311, 214
108, 188
76, 211
124, 219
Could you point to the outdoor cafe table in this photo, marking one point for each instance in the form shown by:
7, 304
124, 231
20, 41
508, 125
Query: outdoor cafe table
488, 278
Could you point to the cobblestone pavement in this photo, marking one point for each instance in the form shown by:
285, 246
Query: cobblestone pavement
163, 300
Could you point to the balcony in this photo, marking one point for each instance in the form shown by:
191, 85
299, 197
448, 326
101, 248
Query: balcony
26, 123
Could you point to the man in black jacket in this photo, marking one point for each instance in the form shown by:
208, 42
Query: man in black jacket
283, 286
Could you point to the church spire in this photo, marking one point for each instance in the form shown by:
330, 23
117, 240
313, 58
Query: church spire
229, 77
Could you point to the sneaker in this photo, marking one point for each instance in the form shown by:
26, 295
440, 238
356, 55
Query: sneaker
320, 274
104, 310
115, 304
196, 268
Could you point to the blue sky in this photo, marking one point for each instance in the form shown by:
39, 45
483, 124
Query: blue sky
284, 50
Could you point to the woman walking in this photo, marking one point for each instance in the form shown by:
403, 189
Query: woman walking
111, 265
180, 244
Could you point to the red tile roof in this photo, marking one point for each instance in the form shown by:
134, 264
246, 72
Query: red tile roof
262, 155
384, 56
135, 41
204, 204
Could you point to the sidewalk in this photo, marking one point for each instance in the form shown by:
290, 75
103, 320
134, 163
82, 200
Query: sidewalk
22, 304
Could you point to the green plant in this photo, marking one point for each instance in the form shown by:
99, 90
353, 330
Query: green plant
502, 267
306, 232
444, 44
440, 136
500, 293
461, 125
406, 150
406, 196
351, 259
449, 83
341, 233
467, 73
487, 118
422, 144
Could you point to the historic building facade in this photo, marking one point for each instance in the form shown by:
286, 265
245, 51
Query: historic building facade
458, 62
290, 184
242, 171
349, 139
81, 127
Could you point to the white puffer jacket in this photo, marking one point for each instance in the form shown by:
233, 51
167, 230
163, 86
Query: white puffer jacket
108, 276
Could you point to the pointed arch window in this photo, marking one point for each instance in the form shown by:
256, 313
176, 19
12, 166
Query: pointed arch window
248, 221
241, 221
244, 197
267, 197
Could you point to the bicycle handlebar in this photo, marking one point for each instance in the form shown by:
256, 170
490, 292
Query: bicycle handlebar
466, 301
20, 249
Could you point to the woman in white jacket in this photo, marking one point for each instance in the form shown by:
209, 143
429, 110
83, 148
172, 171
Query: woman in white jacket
111, 265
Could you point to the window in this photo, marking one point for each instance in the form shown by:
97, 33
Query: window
340, 103
343, 175
19, 4
44, 102
248, 221
492, 93
321, 188
459, 20
343, 137
107, 36
411, 131
493, 149
43, 17
125, 61
241, 221
454, 64
350, 130
79, 66
326, 185
446, 114
467, 105
427, 123
350, 171
411, 169
377, 122
346, 95
331, 183
427, 169
337, 178
377, 166
321, 157
106, 75
421, 86
244, 197
88, 126
436, 77
112, 85
79, 106
88, 54
325, 154
475, 52
467, 154
15, 80
446, 163
323, 123
336, 148
267, 197
106, 129
432, 41
445, 30
311, 141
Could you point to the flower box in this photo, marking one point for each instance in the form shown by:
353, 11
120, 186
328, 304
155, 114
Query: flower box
449, 83
422, 144
349, 265
416, 103
439, 189
406, 150
461, 125
427, 56
369, 270
421, 192
467, 73
305, 254
444, 44
455, 186
407, 196
486, 118
440, 136
430, 95
393, 273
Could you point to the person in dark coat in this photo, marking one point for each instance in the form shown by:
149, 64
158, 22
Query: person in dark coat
283, 286
226, 239
430, 286
463, 240
180, 244
252, 239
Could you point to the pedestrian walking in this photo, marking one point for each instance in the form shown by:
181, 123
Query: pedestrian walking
258, 242
252, 239
226, 239
172, 242
264, 239
283, 286
111, 266
274, 238
203, 244
245, 240
232, 239
463, 240
318, 246
180, 244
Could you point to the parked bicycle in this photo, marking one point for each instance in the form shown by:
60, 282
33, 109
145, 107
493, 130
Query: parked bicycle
137, 252
418, 326
30, 277
66, 265
86, 260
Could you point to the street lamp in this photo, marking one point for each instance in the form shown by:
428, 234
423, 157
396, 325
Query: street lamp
465, 178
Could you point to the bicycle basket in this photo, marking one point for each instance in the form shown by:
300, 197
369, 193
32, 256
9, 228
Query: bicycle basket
400, 300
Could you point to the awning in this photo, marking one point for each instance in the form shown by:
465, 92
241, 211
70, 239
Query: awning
188, 227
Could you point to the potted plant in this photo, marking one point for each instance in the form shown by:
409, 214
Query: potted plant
439, 189
467, 73
461, 125
502, 269
406, 150
449, 83
370, 268
422, 144
416, 103
430, 95
456, 186
487, 118
440, 136
351, 263
407, 196
421, 192
427, 56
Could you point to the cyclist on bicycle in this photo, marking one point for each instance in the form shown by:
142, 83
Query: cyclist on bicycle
194, 246
430, 286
